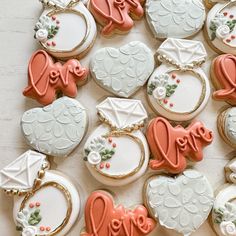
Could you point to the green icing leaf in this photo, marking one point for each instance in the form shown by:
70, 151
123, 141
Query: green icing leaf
213, 36
35, 217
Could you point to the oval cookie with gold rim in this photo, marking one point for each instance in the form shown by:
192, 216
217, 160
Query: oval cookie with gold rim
45, 203
179, 89
117, 153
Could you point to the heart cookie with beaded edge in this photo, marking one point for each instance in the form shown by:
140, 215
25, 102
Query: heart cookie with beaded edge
122, 71
56, 129
182, 203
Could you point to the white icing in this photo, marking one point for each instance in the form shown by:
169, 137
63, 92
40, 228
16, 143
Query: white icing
216, 15
182, 203
57, 128
94, 158
21, 173
29, 231
175, 18
122, 113
125, 160
230, 125
72, 30
228, 228
122, 71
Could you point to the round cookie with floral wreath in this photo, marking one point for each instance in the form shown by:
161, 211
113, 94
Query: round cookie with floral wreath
220, 29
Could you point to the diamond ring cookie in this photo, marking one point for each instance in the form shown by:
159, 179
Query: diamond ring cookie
179, 89
103, 218
45, 202
224, 210
117, 153
56, 129
220, 27
122, 71
116, 16
65, 29
175, 18
47, 78
182, 203
227, 126
170, 146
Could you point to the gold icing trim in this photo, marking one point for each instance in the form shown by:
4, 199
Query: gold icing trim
68, 199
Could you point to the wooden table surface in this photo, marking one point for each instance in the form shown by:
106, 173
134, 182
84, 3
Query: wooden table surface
17, 19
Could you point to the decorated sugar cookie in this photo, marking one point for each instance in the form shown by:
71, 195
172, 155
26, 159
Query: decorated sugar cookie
227, 126
117, 153
45, 202
223, 75
220, 27
56, 129
224, 210
170, 146
179, 89
46, 78
116, 16
66, 28
103, 218
122, 71
182, 203
175, 18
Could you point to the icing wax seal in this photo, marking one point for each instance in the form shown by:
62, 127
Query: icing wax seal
45, 202
46, 78
122, 71
175, 18
116, 16
117, 153
224, 210
223, 75
170, 146
56, 129
220, 28
227, 126
102, 218
179, 89
66, 28
182, 203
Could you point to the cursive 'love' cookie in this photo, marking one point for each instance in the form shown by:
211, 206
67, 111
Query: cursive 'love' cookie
182, 203
116, 16
122, 71
102, 218
57, 128
223, 75
170, 146
46, 78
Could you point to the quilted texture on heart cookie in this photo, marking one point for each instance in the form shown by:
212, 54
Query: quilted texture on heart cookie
122, 71
182, 203
57, 128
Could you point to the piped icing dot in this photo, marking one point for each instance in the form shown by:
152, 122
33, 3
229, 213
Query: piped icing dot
231, 16
225, 13
228, 40
37, 204
42, 228
110, 140
53, 44
101, 166
48, 229
173, 76
165, 101
233, 36
114, 145
108, 165
54, 17
58, 22
48, 44
178, 81
31, 205
171, 104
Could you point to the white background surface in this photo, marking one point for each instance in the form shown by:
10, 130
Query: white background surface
17, 19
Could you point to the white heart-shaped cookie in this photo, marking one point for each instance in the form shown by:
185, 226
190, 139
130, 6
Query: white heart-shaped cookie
182, 203
55, 129
122, 71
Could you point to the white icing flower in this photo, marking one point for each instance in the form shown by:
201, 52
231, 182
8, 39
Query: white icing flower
41, 35
162, 80
219, 20
29, 231
22, 218
160, 84
159, 93
228, 228
94, 158
222, 31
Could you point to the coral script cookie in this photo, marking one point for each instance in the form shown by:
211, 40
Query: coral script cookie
224, 210
46, 78
170, 146
104, 219
117, 153
175, 18
116, 15
220, 27
56, 129
223, 75
66, 28
122, 71
45, 203
182, 203
179, 89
